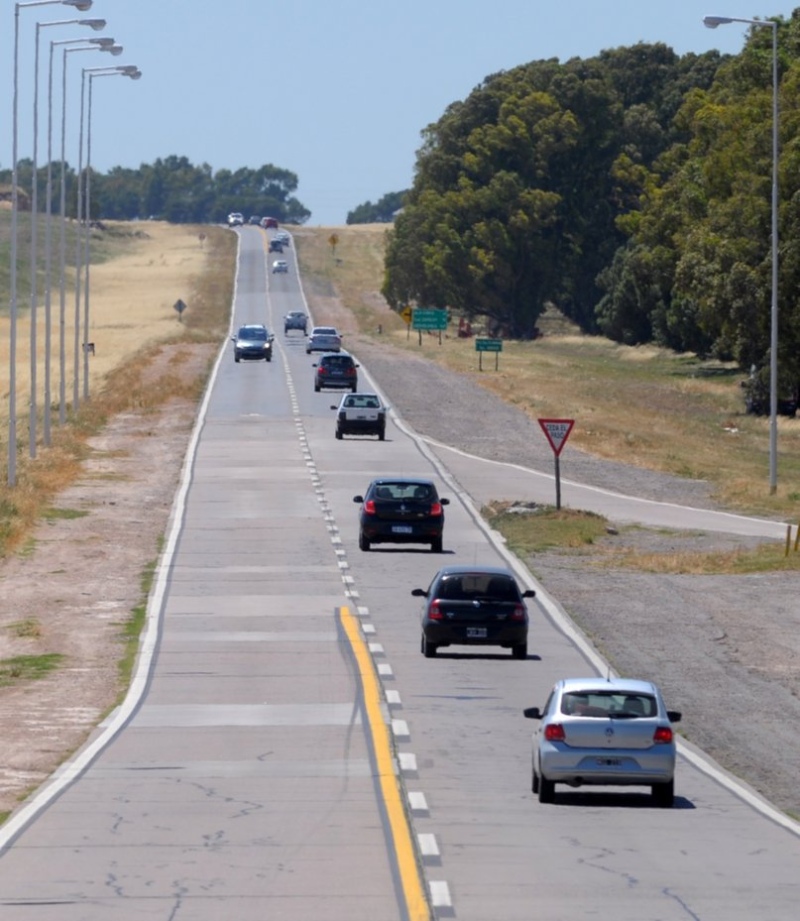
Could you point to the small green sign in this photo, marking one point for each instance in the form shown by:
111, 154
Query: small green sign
425, 318
488, 345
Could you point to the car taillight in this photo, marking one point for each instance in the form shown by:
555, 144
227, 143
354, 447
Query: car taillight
436, 509
323, 369
369, 507
350, 372
662, 735
434, 611
554, 732
520, 613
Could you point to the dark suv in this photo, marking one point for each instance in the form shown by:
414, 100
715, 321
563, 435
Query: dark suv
335, 371
295, 319
252, 342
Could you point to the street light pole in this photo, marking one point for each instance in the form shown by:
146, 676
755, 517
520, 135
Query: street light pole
712, 22
125, 70
81, 5
97, 25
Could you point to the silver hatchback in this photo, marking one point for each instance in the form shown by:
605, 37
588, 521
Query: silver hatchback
614, 731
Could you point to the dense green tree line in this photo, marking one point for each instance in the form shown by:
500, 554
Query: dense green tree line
174, 189
382, 212
631, 190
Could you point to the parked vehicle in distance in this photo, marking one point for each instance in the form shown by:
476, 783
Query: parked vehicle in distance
323, 339
295, 319
254, 219
360, 414
614, 731
253, 342
401, 510
268, 222
275, 246
474, 606
335, 370
280, 265
235, 219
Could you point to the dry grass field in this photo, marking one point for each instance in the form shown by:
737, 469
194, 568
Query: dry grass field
644, 406
143, 269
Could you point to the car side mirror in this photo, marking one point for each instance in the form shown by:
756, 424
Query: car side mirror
314, 365
529, 593
334, 407
419, 593
532, 713
674, 716
358, 499
444, 501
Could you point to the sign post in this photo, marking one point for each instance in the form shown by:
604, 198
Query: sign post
488, 345
557, 432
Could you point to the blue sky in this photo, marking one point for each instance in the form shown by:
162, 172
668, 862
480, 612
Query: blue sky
337, 91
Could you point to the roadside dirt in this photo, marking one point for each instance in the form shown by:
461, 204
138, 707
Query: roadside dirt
725, 649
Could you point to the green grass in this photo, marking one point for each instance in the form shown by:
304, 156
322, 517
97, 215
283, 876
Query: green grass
27, 668
63, 514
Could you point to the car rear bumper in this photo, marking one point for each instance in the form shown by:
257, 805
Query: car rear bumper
613, 766
361, 428
507, 635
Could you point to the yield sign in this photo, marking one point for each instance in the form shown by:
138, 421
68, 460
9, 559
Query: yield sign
557, 431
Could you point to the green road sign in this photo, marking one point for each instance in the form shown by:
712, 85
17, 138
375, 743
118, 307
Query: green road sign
429, 319
488, 345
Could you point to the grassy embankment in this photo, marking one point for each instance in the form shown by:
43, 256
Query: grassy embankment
644, 406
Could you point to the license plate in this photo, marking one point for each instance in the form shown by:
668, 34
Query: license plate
609, 762
402, 529
476, 633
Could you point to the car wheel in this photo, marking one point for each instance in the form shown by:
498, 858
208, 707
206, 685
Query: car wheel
339, 434
534, 781
353, 388
381, 435
269, 357
520, 651
436, 545
236, 359
316, 388
363, 542
664, 794
547, 790
427, 648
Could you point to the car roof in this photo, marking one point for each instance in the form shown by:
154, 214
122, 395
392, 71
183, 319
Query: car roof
361, 393
466, 570
252, 326
598, 683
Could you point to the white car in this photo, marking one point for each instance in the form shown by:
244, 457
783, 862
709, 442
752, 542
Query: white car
360, 414
235, 219
605, 731
280, 265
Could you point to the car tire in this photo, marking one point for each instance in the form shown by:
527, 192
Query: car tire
534, 781
316, 388
236, 359
363, 542
547, 790
269, 357
381, 435
427, 648
520, 651
436, 545
664, 794
339, 434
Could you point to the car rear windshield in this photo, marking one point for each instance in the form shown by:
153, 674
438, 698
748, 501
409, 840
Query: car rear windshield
355, 402
603, 704
478, 586
338, 361
405, 491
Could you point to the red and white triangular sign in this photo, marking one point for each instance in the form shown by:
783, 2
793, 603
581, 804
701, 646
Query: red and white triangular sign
557, 431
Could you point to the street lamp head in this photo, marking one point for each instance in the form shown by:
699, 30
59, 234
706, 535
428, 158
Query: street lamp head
97, 24
105, 42
81, 5
711, 22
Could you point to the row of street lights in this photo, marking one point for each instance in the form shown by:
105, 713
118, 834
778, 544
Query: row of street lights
83, 214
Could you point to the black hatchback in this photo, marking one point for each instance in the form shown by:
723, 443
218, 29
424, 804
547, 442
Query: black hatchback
398, 510
335, 371
474, 605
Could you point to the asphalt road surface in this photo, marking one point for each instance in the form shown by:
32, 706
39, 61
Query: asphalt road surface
287, 753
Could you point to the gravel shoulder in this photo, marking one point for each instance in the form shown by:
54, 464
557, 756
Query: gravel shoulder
724, 648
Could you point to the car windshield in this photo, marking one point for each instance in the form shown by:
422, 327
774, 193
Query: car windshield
359, 402
604, 704
259, 334
405, 491
478, 586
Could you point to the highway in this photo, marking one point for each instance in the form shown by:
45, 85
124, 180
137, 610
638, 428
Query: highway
287, 754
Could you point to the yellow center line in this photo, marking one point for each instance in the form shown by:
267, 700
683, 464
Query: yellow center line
406, 855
